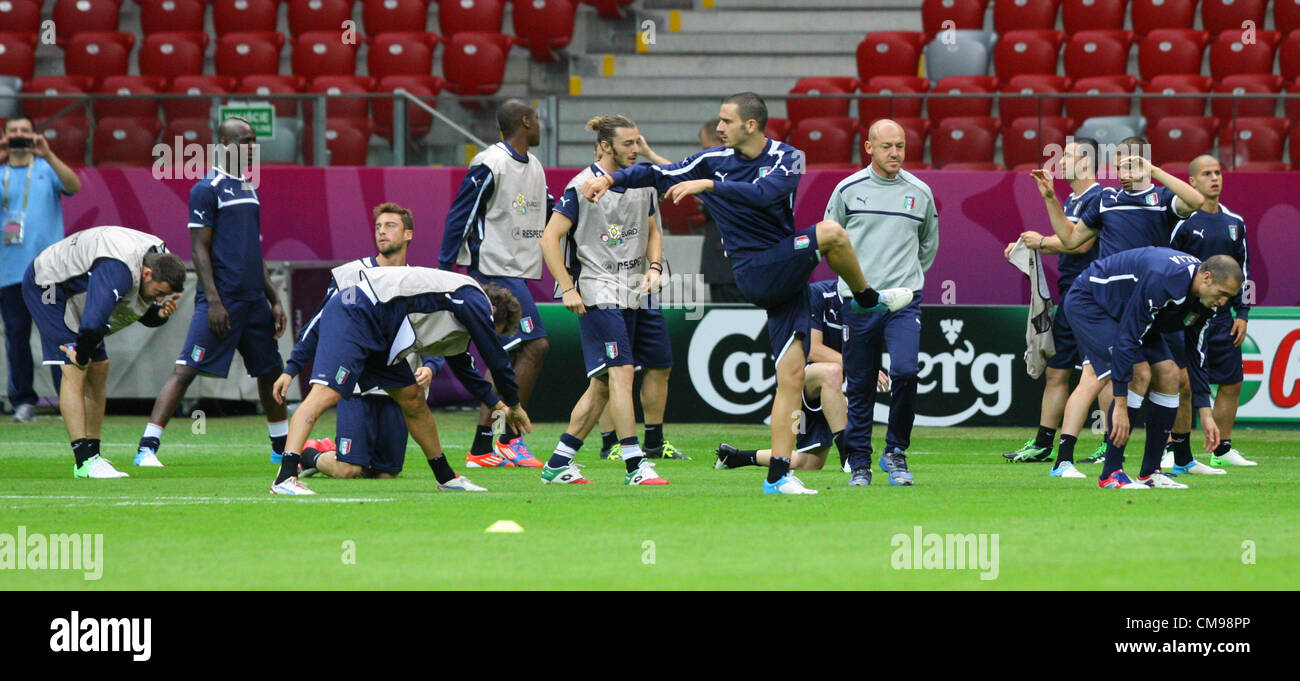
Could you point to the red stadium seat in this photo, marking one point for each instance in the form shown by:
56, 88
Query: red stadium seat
402, 54
125, 141
680, 218
345, 138
418, 121
1263, 167
974, 165
170, 16
1011, 108
916, 39
74, 17
1288, 56
43, 107
1149, 15
1242, 104
171, 54
1093, 15
1026, 52
129, 85
915, 130
1082, 109
824, 140
777, 128
544, 25
341, 107
190, 130
248, 54
1168, 51
1294, 141
1230, 56
1097, 53
17, 56
885, 54
195, 85
244, 16
1156, 108
799, 109
963, 140
1286, 15
963, 13
98, 55
1180, 139
1252, 139
962, 106
477, 16
67, 138
1020, 15
271, 84
475, 63
321, 53
390, 16
1218, 16
20, 16
893, 107
1026, 140
1292, 106
323, 16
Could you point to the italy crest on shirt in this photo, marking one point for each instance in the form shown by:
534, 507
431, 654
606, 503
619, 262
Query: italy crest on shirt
1152, 199
909, 203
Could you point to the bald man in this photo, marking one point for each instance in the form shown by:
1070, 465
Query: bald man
893, 224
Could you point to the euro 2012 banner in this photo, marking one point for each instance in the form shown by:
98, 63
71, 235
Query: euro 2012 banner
971, 367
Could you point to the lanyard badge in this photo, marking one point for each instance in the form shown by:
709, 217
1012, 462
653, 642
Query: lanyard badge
13, 220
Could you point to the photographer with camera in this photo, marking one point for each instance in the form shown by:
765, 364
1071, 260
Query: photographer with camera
32, 182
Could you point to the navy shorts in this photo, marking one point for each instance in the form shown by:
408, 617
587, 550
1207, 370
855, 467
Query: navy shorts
351, 352
530, 320
1096, 333
776, 280
1177, 347
619, 336
252, 333
1067, 354
371, 433
48, 316
814, 431
1222, 358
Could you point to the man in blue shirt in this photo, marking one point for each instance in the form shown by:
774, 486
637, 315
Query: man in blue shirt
1214, 230
1122, 307
34, 181
748, 187
236, 307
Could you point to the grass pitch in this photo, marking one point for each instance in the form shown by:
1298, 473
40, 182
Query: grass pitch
207, 521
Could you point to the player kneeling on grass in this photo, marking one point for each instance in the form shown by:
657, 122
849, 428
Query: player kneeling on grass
615, 249
83, 288
368, 330
1121, 308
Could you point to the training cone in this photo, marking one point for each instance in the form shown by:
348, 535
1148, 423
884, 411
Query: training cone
505, 526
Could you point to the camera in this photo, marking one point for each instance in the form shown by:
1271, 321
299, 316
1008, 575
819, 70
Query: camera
21, 143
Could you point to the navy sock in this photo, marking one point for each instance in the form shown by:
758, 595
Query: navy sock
608, 439
277, 443
867, 298
81, 450
309, 456
1043, 440
1114, 454
441, 469
744, 457
482, 441
288, 467
150, 442
1181, 445
1065, 450
631, 447
838, 439
565, 451
654, 435
94, 446
777, 469
1159, 420
1224, 447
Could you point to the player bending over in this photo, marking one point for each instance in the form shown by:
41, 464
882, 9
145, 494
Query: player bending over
366, 332
83, 288
748, 187
1121, 308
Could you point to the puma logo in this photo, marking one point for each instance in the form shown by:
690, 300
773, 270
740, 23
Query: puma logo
722, 177
201, 214
228, 190
1199, 232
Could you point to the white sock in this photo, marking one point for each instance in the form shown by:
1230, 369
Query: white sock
153, 430
278, 428
631, 451
565, 452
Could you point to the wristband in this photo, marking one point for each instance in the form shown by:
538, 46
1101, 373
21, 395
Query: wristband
571, 288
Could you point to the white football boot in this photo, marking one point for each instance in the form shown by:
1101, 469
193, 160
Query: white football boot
291, 486
460, 483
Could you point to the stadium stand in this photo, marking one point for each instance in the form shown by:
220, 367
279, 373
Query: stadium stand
1026, 52
401, 54
1242, 104
887, 54
1148, 15
1097, 53
345, 139
941, 108
1093, 15
190, 130
799, 109
21, 17
1171, 105
194, 85
244, 16
125, 141
1218, 16
1010, 108
544, 26
67, 137
342, 107
1171, 51
1180, 139
317, 16
249, 54
77, 17
391, 16
477, 16
968, 54
321, 53
1253, 139
892, 107
965, 14
825, 141
1084, 108
129, 107
1024, 141
170, 55
1021, 15
963, 140
171, 16
98, 55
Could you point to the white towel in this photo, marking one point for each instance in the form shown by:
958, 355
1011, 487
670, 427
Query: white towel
1038, 331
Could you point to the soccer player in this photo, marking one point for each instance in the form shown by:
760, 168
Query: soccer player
1122, 307
371, 429
236, 308
368, 330
748, 187
83, 288
825, 409
1078, 158
493, 228
1214, 230
893, 223
615, 252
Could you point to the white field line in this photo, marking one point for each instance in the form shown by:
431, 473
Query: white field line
89, 500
